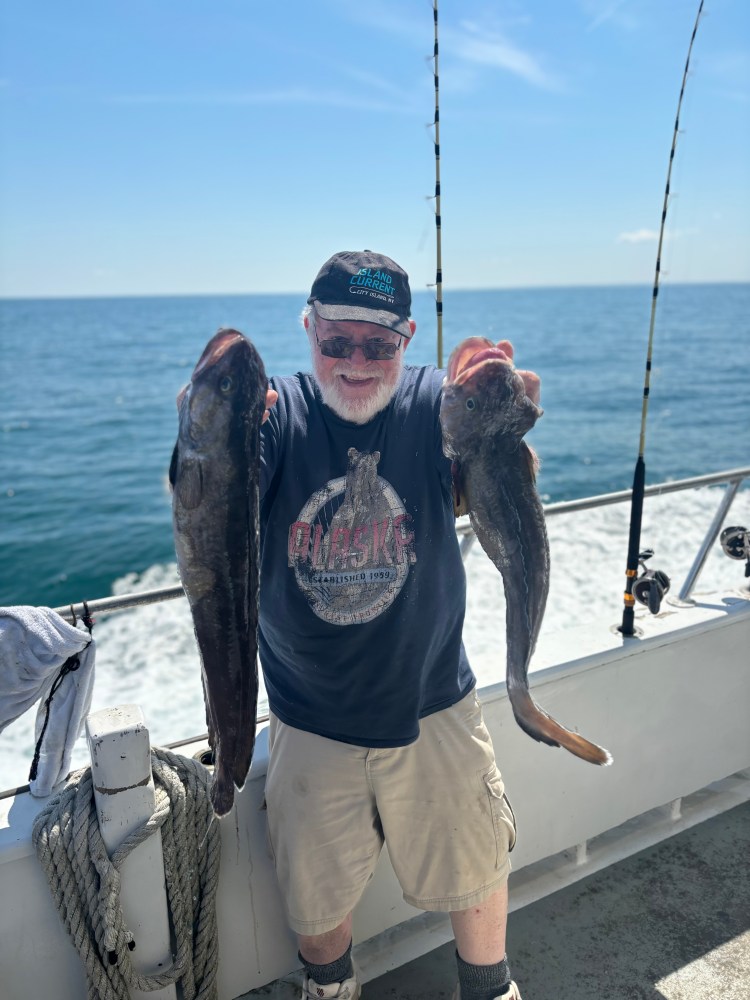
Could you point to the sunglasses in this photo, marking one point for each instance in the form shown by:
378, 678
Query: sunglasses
373, 350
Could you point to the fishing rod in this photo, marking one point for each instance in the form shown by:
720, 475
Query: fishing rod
438, 224
655, 582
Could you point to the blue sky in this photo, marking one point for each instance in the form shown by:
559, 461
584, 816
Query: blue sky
232, 146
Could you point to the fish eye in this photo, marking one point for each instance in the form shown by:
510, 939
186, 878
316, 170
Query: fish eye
226, 384
470, 404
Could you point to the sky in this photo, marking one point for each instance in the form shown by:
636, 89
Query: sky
184, 147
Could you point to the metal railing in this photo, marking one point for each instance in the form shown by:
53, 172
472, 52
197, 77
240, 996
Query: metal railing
732, 477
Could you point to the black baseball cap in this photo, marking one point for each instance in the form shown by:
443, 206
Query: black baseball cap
363, 286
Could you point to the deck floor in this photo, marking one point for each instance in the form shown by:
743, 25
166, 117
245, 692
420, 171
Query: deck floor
669, 923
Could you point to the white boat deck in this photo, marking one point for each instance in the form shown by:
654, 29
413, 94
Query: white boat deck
669, 923
657, 909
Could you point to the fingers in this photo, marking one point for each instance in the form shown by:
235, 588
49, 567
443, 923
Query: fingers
533, 385
507, 347
271, 397
531, 380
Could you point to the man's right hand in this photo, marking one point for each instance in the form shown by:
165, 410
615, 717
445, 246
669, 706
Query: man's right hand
271, 397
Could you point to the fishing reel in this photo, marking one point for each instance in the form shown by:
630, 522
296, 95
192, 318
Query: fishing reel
736, 544
651, 586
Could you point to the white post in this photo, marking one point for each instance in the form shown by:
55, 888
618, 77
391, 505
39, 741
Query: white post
124, 793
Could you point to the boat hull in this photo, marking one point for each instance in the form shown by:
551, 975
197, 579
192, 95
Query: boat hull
670, 704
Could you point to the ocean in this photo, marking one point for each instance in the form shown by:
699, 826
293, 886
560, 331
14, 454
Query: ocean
88, 423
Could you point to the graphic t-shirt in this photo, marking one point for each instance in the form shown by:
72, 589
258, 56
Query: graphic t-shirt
362, 584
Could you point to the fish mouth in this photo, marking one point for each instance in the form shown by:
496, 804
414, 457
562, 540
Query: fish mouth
469, 357
219, 345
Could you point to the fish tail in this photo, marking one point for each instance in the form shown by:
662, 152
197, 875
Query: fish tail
536, 723
222, 791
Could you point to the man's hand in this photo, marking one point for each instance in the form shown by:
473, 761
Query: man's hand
530, 379
271, 397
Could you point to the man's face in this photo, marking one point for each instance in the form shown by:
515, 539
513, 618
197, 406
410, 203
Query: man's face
355, 388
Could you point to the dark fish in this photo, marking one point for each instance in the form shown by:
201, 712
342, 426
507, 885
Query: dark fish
484, 414
214, 475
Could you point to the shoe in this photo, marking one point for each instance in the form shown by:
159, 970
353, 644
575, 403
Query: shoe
511, 993
350, 989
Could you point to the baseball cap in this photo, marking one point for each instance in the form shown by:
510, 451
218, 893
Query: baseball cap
363, 286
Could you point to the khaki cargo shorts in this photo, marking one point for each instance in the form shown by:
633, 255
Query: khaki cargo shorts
439, 804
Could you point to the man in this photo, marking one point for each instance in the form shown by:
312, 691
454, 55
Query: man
376, 733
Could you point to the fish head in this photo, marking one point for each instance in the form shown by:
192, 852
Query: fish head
227, 388
484, 400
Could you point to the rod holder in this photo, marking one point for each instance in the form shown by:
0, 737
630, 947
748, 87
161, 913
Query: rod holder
124, 794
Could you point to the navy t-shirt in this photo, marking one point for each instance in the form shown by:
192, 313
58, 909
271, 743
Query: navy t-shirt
362, 584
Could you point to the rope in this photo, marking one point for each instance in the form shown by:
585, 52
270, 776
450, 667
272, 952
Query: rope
85, 881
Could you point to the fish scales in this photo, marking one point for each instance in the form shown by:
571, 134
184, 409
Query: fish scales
484, 414
214, 475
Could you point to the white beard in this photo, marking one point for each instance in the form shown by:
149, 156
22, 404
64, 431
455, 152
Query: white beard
360, 411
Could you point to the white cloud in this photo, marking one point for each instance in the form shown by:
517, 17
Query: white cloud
373, 82
477, 45
651, 235
471, 43
639, 236
618, 12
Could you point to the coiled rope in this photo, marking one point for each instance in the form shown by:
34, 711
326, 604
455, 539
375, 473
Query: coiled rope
85, 881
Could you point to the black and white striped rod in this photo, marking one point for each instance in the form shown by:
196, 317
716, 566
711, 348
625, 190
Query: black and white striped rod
438, 224
639, 477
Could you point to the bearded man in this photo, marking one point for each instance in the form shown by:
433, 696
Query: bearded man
376, 733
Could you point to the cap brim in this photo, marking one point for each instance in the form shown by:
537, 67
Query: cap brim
359, 314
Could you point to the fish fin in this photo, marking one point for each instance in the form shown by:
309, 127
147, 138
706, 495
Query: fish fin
536, 723
533, 461
526, 415
222, 790
209, 715
244, 760
460, 500
189, 484
173, 465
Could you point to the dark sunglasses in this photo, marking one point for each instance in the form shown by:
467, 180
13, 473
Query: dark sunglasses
373, 350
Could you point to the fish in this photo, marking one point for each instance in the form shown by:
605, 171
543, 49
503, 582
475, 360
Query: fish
484, 413
214, 475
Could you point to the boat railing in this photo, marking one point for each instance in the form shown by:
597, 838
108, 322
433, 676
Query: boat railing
732, 478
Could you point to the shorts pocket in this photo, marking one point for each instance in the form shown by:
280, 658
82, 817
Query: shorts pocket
503, 818
511, 819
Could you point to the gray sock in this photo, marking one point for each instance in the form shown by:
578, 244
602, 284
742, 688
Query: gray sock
333, 972
482, 982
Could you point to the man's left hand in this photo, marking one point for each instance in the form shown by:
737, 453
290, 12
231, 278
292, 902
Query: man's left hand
530, 379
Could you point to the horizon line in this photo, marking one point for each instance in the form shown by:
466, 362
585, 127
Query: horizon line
77, 297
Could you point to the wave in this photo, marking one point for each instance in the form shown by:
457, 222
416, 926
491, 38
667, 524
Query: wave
148, 655
588, 558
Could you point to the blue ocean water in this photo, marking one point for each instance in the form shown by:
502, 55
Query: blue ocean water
88, 418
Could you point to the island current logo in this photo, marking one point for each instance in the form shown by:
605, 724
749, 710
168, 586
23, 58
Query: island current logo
352, 544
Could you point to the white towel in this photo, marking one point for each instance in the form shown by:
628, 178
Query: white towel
34, 644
